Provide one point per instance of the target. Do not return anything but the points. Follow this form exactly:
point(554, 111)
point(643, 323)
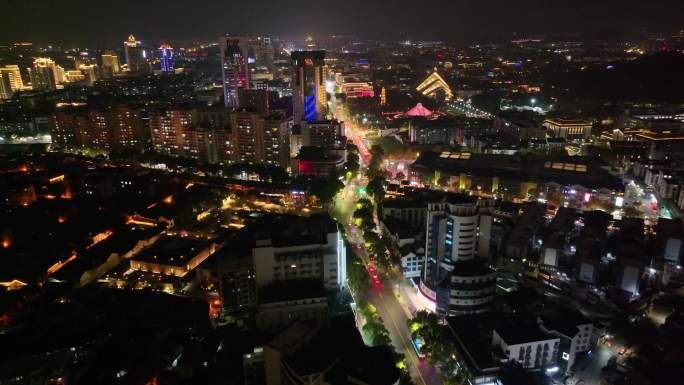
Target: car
point(622, 350)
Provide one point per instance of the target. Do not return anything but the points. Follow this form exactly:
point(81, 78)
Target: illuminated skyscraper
point(43, 76)
point(234, 68)
point(5, 86)
point(135, 56)
point(166, 58)
point(110, 63)
point(308, 84)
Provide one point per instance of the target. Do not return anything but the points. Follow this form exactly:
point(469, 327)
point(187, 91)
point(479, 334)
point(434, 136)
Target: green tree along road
point(353, 208)
point(376, 189)
point(439, 351)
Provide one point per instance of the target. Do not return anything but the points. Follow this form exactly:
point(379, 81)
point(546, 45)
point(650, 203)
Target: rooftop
point(471, 269)
point(172, 251)
point(563, 321)
point(584, 171)
point(514, 334)
point(567, 122)
point(291, 290)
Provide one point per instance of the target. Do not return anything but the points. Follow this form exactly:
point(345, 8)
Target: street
point(381, 295)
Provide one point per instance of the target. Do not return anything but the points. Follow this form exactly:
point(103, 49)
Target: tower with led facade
point(166, 59)
point(135, 55)
point(234, 70)
point(308, 84)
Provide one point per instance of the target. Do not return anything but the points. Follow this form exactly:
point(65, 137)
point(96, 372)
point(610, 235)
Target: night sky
point(106, 21)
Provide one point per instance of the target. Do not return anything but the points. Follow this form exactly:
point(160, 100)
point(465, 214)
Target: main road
point(381, 294)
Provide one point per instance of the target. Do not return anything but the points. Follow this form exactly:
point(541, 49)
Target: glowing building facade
point(234, 68)
point(455, 281)
point(166, 59)
point(45, 74)
point(110, 63)
point(135, 55)
point(309, 75)
point(14, 75)
point(434, 85)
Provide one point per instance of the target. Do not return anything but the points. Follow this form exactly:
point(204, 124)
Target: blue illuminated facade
point(310, 106)
point(166, 58)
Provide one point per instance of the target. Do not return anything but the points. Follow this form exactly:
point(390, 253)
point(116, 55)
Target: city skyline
point(360, 192)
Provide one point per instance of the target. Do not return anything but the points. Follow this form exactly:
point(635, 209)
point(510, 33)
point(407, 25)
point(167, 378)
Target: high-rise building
point(127, 128)
point(166, 59)
point(261, 50)
point(166, 129)
point(308, 84)
point(256, 100)
point(455, 281)
point(62, 125)
point(110, 63)
point(275, 146)
point(198, 133)
point(43, 74)
point(324, 133)
point(118, 127)
point(14, 75)
point(135, 55)
point(91, 73)
point(73, 76)
point(200, 143)
point(6, 91)
point(246, 131)
point(234, 68)
point(99, 131)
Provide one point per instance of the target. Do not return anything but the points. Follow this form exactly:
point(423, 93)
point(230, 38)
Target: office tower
point(324, 133)
point(14, 75)
point(261, 50)
point(246, 135)
point(5, 86)
point(308, 84)
point(91, 73)
point(166, 128)
point(60, 74)
point(110, 63)
point(43, 74)
point(234, 68)
point(453, 278)
point(255, 100)
point(166, 60)
point(275, 146)
point(135, 55)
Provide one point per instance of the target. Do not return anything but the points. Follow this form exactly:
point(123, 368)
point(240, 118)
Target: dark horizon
point(84, 22)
